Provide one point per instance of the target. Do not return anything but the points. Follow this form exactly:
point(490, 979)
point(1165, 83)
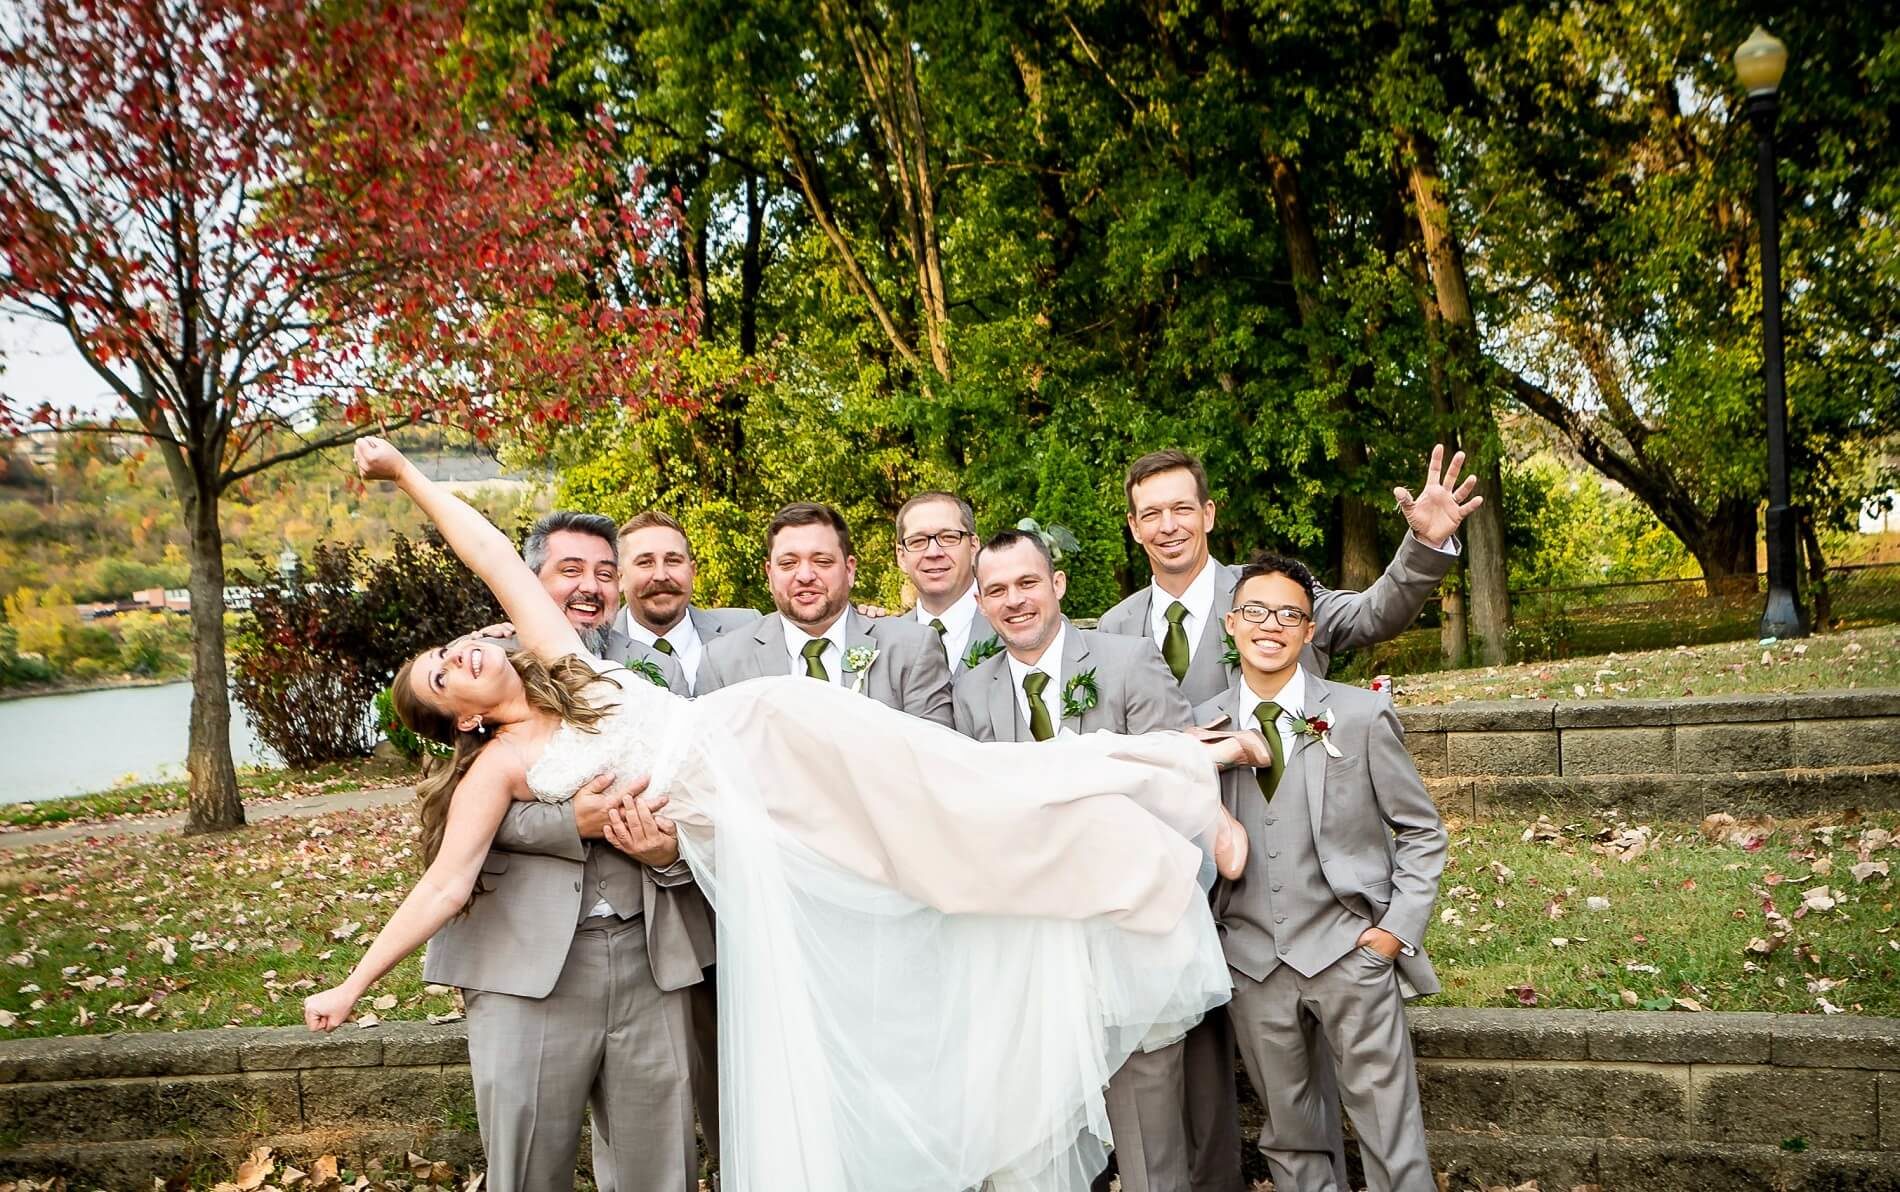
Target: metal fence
point(1550, 623)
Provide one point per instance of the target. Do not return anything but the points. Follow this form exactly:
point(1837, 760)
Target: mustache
point(660, 587)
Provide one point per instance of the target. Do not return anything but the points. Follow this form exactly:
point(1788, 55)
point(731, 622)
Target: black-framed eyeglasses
point(1257, 613)
point(944, 538)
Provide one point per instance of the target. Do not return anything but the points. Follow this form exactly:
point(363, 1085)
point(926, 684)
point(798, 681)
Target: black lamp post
point(1759, 62)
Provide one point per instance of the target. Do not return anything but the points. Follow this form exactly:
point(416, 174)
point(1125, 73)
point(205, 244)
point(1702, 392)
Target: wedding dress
point(932, 953)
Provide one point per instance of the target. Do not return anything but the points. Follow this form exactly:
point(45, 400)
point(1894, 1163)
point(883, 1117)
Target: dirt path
point(304, 808)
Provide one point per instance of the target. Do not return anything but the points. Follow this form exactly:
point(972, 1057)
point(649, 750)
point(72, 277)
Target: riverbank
point(82, 686)
point(257, 785)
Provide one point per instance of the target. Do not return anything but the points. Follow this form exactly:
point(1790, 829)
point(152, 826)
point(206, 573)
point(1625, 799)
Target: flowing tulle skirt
point(933, 953)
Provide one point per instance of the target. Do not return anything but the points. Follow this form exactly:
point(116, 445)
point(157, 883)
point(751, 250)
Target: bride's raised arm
point(539, 623)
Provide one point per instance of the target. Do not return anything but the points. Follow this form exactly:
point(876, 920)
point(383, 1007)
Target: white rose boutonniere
point(857, 661)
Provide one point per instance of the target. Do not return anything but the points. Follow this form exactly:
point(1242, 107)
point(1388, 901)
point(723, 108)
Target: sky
point(40, 364)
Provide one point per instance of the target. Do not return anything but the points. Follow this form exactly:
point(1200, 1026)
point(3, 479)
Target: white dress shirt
point(957, 620)
point(1198, 600)
point(683, 637)
point(832, 659)
point(1049, 664)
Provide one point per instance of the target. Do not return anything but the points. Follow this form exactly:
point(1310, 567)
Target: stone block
point(1472, 1160)
point(1506, 754)
point(1464, 1095)
point(1599, 1100)
point(75, 1110)
point(1640, 1165)
point(1638, 1036)
point(1588, 751)
point(413, 1044)
point(368, 1096)
point(1615, 713)
point(242, 1104)
point(1719, 748)
point(1840, 1171)
point(1455, 798)
point(1844, 705)
point(1824, 1107)
point(1496, 716)
point(1730, 709)
point(1429, 753)
point(1453, 1033)
point(1846, 1041)
point(86, 1057)
point(1889, 1085)
point(279, 1048)
point(1870, 741)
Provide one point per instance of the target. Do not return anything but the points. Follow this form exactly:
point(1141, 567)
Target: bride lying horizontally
point(933, 953)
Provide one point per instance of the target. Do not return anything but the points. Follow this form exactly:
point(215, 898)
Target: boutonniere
point(989, 647)
point(1231, 655)
point(1079, 695)
point(858, 660)
point(1319, 728)
point(650, 670)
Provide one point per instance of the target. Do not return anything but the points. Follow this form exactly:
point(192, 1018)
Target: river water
point(54, 745)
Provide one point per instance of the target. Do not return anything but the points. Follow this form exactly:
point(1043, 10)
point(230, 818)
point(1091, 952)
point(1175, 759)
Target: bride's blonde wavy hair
point(558, 688)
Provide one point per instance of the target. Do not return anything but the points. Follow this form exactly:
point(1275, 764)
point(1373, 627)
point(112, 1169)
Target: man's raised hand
point(1440, 508)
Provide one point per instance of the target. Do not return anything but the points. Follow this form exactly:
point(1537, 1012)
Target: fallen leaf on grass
point(1526, 993)
point(252, 1173)
point(1820, 898)
point(1597, 902)
point(1690, 1004)
point(323, 1173)
point(344, 932)
point(1866, 870)
point(385, 1002)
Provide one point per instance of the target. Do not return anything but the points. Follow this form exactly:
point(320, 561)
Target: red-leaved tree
point(272, 226)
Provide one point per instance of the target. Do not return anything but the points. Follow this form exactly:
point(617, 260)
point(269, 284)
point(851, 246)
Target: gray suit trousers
point(606, 1039)
point(1354, 1006)
point(1148, 1117)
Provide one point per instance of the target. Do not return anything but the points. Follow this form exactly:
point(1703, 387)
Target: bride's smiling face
point(465, 679)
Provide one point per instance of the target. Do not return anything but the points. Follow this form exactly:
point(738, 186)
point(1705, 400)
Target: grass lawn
point(1848, 659)
point(166, 933)
point(258, 785)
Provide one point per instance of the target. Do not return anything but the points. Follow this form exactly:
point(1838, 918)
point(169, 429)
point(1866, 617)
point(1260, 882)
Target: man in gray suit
point(1055, 678)
point(815, 632)
point(1324, 929)
point(1171, 514)
point(657, 572)
point(574, 960)
point(936, 551)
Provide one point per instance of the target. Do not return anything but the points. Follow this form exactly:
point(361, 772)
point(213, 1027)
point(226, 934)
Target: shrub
point(406, 742)
point(16, 667)
point(419, 596)
point(154, 644)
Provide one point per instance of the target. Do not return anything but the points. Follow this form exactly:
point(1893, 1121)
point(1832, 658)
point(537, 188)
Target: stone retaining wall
point(1630, 1101)
point(1780, 754)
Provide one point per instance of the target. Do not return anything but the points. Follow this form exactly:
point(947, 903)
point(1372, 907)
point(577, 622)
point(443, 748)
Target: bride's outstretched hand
point(377, 459)
point(328, 1010)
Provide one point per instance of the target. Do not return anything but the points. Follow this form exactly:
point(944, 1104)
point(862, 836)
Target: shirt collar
point(1199, 597)
point(1292, 697)
point(796, 637)
point(956, 619)
point(1049, 664)
point(679, 637)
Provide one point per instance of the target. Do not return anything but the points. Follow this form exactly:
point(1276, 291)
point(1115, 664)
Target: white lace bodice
point(640, 720)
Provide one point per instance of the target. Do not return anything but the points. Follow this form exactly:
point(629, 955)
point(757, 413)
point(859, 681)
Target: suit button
point(1276, 887)
point(1281, 949)
point(1270, 821)
point(1279, 918)
point(1274, 852)
point(577, 885)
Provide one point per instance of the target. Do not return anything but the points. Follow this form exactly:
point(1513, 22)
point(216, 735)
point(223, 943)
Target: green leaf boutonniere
point(989, 647)
point(1231, 655)
point(650, 670)
point(858, 660)
point(1079, 695)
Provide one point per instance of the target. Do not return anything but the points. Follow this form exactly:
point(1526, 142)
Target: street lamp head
point(1759, 62)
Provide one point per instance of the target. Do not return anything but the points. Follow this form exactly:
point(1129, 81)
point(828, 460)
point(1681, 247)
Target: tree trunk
point(213, 803)
point(751, 268)
point(1485, 565)
point(1454, 637)
point(1724, 547)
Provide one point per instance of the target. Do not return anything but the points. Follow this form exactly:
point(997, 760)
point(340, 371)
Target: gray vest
point(612, 875)
point(1282, 911)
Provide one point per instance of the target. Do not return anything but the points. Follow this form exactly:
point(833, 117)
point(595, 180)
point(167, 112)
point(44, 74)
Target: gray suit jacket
point(708, 623)
point(1134, 691)
point(514, 939)
point(1341, 620)
point(980, 631)
point(1378, 834)
point(910, 673)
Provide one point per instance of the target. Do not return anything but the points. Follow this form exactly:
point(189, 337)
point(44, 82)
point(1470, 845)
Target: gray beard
point(594, 641)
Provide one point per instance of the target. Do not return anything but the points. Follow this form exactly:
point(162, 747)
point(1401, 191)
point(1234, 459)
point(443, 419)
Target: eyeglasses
point(943, 538)
point(1286, 614)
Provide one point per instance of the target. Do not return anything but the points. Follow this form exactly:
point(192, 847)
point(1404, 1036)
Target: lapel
point(1006, 720)
point(705, 625)
point(1312, 754)
point(1144, 608)
point(857, 632)
point(1075, 652)
point(1207, 672)
point(768, 648)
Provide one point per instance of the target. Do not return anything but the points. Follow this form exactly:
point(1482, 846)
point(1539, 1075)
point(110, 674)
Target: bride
point(933, 953)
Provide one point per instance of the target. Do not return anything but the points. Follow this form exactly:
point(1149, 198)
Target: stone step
point(1786, 792)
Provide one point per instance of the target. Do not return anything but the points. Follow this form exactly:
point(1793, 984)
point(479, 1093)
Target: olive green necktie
point(1267, 713)
point(943, 635)
point(663, 646)
point(1039, 727)
point(813, 668)
point(1174, 647)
